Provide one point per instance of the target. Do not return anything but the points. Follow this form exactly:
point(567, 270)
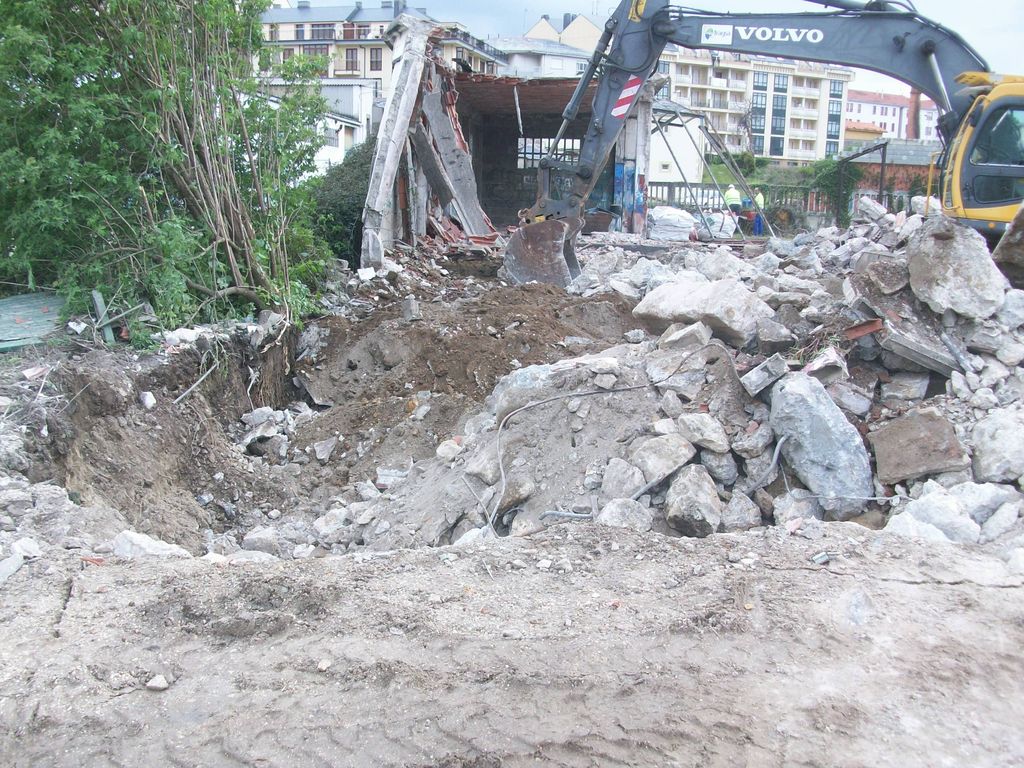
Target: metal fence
point(788, 208)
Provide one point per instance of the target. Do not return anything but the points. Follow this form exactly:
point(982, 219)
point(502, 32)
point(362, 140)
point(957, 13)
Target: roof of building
point(326, 14)
point(886, 99)
point(560, 23)
point(905, 152)
point(537, 45)
point(857, 125)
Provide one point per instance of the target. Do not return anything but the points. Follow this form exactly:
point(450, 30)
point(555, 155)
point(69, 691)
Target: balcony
point(801, 154)
point(719, 82)
point(803, 133)
point(737, 85)
point(803, 91)
point(738, 106)
point(458, 36)
point(684, 79)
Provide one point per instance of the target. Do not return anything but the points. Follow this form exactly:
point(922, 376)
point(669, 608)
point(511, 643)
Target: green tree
point(340, 196)
point(837, 181)
point(139, 153)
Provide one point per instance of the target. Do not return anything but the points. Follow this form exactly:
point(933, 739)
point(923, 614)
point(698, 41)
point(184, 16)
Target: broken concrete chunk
point(740, 514)
point(981, 500)
point(1011, 314)
point(950, 268)
point(773, 337)
point(1000, 523)
point(626, 513)
point(822, 447)
point(685, 338)
point(10, 566)
point(796, 504)
point(725, 306)
point(944, 511)
point(621, 480)
point(921, 443)
point(764, 375)
point(870, 209)
point(721, 466)
point(998, 441)
point(660, 455)
point(483, 465)
point(906, 386)
point(263, 539)
point(131, 545)
point(912, 528)
point(692, 506)
point(703, 430)
point(849, 398)
point(323, 449)
point(671, 405)
point(828, 366)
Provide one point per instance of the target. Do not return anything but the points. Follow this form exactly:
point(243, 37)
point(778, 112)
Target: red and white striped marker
point(629, 93)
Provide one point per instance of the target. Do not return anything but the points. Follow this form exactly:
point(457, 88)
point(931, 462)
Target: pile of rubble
point(868, 374)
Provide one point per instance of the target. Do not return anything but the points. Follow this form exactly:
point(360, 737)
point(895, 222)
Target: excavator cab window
point(996, 172)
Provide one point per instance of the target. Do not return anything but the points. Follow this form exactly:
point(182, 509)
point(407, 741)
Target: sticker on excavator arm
point(716, 34)
point(637, 11)
point(625, 101)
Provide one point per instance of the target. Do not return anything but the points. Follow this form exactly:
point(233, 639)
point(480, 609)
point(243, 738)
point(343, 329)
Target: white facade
point(528, 58)
point(891, 112)
point(688, 148)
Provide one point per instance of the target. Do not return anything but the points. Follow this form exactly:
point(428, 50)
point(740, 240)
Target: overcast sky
point(994, 27)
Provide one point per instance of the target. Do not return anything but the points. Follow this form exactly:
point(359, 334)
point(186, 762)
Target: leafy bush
point(339, 197)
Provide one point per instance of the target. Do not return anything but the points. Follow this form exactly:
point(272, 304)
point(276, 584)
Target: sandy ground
point(629, 649)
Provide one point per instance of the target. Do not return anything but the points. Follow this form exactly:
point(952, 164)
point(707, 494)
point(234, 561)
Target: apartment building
point(351, 37)
point(530, 57)
point(891, 113)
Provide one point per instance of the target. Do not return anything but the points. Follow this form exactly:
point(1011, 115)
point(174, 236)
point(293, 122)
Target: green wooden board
point(28, 319)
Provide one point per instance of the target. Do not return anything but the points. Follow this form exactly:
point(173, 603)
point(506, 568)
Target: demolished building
point(456, 154)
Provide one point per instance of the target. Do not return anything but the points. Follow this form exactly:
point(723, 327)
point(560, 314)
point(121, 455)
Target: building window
point(760, 81)
point(362, 31)
point(778, 125)
point(489, 67)
point(759, 145)
point(663, 67)
point(782, 83)
point(330, 137)
point(321, 32)
point(885, 110)
point(317, 50)
point(287, 53)
point(275, 32)
point(300, 31)
point(832, 131)
point(775, 150)
point(757, 123)
point(758, 102)
point(874, 109)
point(376, 59)
point(532, 150)
point(835, 107)
point(351, 59)
point(835, 89)
point(831, 148)
point(581, 67)
point(779, 104)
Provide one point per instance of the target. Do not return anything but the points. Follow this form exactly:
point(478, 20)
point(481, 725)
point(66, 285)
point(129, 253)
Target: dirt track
point(651, 651)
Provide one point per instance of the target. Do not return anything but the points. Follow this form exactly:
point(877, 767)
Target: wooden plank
point(28, 319)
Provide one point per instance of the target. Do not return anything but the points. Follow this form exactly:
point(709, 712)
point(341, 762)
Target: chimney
point(567, 19)
point(302, 5)
point(546, 17)
point(914, 115)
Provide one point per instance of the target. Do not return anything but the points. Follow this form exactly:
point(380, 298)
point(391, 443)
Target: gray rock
point(763, 376)
point(755, 439)
point(721, 466)
point(849, 398)
point(621, 480)
point(912, 528)
point(147, 400)
point(323, 449)
point(925, 206)
point(703, 430)
point(946, 513)
point(906, 386)
point(10, 566)
point(1011, 314)
point(921, 443)
point(626, 513)
point(262, 539)
point(1000, 523)
point(246, 556)
point(259, 416)
point(870, 209)
point(671, 405)
point(981, 500)
point(759, 472)
point(950, 268)
point(692, 506)
point(27, 547)
point(679, 337)
point(825, 451)
point(483, 464)
point(797, 503)
point(725, 306)
point(773, 337)
point(999, 447)
point(131, 545)
point(157, 683)
point(660, 455)
point(740, 514)
point(335, 527)
point(636, 336)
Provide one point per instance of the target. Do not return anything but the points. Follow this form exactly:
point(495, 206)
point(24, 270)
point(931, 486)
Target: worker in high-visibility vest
point(733, 200)
point(758, 212)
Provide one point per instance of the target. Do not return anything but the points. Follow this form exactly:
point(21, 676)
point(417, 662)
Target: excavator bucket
point(1009, 251)
point(544, 252)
